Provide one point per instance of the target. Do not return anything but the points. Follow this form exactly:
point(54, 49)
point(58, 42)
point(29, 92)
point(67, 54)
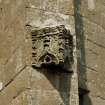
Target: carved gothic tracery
point(52, 45)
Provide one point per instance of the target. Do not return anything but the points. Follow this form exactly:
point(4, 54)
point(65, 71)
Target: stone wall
point(14, 76)
point(20, 84)
point(90, 16)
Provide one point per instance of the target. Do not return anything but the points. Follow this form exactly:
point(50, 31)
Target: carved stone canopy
point(52, 46)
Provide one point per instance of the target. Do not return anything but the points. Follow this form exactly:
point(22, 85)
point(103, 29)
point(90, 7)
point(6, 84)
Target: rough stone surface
point(20, 84)
point(90, 26)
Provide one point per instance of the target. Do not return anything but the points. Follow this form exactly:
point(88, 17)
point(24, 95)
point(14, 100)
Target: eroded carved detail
point(52, 46)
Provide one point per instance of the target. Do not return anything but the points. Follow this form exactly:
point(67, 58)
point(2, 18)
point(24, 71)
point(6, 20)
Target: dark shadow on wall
point(81, 60)
point(63, 86)
point(60, 81)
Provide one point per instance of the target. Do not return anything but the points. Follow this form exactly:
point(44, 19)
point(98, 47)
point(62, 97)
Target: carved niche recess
point(52, 47)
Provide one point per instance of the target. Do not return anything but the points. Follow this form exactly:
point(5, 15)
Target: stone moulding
point(52, 47)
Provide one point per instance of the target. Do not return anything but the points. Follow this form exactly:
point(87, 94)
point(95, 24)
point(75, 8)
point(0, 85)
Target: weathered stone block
point(52, 46)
